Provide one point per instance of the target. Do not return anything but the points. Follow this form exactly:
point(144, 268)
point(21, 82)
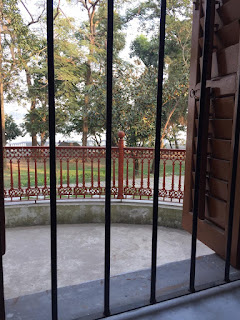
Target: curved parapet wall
point(134, 212)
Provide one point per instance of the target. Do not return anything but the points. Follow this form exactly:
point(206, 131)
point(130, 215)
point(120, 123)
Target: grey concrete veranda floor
point(81, 254)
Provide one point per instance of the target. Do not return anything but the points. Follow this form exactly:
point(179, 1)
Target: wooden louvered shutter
point(220, 124)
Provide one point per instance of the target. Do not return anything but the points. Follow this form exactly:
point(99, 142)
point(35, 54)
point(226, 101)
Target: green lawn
point(72, 172)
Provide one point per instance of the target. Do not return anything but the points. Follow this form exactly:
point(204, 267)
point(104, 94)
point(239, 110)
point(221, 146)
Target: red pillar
point(121, 135)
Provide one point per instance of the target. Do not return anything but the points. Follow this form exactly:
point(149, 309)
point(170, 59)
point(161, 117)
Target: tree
point(92, 36)
point(177, 62)
point(68, 71)
point(12, 130)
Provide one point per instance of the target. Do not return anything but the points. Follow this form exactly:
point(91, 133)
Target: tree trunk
point(43, 138)
point(33, 133)
point(176, 141)
point(32, 108)
point(85, 131)
point(88, 82)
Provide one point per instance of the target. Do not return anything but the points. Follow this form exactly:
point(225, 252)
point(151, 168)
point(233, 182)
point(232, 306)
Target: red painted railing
point(81, 173)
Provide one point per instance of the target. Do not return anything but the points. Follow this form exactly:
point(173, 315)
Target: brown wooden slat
point(224, 86)
point(217, 44)
point(216, 211)
point(219, 168)
point(219, 149)
point(222, 108)
point(225, 61)
point(228, 35)
point(229, 11)
point(220, 128)
point(217, 188)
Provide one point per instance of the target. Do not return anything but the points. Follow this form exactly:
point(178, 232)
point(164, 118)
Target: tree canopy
point(80, 69)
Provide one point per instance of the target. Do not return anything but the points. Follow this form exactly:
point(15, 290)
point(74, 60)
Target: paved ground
point(81, 254)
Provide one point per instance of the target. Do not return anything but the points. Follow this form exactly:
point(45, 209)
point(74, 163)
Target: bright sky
point(72, 10)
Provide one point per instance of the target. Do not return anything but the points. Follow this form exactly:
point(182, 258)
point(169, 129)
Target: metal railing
point(81, 173)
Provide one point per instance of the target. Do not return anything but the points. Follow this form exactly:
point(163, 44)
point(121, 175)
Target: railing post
point(121, 135)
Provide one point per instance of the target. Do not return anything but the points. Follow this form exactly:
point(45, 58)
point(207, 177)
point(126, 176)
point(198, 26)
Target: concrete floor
point(81, 254)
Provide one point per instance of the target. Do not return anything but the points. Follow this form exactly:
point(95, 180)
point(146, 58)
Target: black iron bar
point(108, 157)
point(157, 149)
point(2, 223)
point(53, 208)
point(233, 185)
point(203, 95)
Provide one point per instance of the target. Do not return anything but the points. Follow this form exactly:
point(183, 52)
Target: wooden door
point(220, 125)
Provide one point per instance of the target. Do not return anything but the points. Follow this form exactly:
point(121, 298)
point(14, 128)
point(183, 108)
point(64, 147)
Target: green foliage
point(176, 71)
point(80, 70)
point(12, 130)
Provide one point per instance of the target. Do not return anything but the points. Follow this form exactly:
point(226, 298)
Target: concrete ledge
point(132, 290)
point(71, 212)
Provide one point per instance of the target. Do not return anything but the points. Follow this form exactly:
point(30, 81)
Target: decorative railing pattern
point(81, 173)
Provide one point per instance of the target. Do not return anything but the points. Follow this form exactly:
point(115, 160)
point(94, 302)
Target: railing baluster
point(98, 173)
point(133, 182)
point(11, 176)
point(157, 150)
point(180, 179)
point(173, 176)
point(61, 176)
point(19, 176)
point(36, 178)
point(92, 182)
point(52, 133)
point(68, 182)
point(45, 175)
point(148, 178)
point(28, 172)
point(164, 178)
point(114, 175)
point(108, 158)
point(142, 176)
point(127, 169)
point(83, 179)
point(76, 175)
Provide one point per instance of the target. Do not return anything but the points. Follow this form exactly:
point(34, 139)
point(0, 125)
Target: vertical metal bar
point(53, 207)
point(148, 179)
point(180, 178)
point(157, 149)
point(19, 176)
point(127, 169)
point(173, 176)
point(233, 186)
point(164, 178)
point(108, 157)
point(203, 95)
point(45, 176)
point(2, 222)
point(142, 176)
point(114, 174)
point(133, 181)
point(92, 183)
point(83, 177)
